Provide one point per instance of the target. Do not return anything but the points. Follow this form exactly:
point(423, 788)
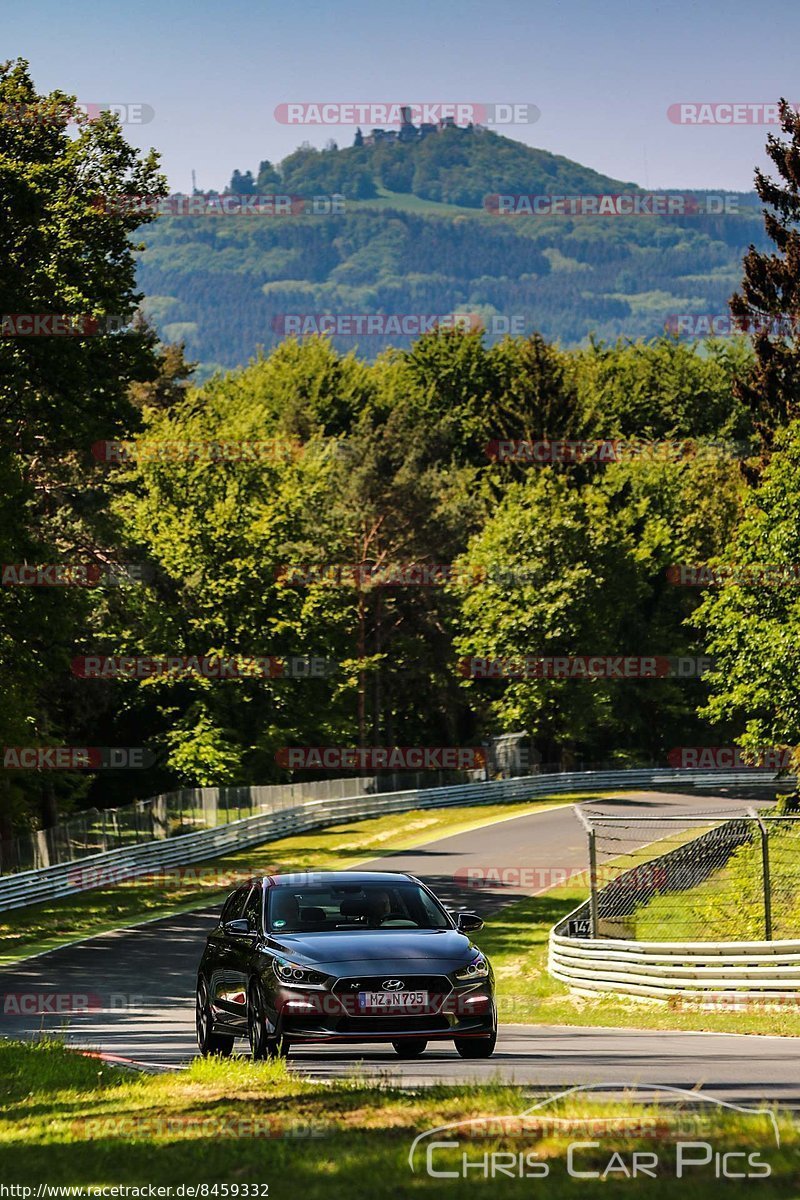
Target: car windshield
point(319, 908)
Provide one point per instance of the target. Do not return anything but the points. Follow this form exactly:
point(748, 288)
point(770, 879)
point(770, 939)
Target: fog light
point(473, 1006)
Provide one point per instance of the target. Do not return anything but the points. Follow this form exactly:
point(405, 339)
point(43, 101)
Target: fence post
point(592, 838)
point(765, 872)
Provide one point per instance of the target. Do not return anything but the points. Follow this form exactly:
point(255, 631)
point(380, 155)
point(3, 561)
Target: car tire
point(262, 1044)
point(476, 1046)
point(208, 1041)
point(410, 1047)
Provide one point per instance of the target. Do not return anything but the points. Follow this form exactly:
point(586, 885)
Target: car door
point(241, 947)
point(227, 985)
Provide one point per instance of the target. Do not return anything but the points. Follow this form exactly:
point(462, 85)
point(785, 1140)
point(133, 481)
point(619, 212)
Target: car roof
point(332, 878)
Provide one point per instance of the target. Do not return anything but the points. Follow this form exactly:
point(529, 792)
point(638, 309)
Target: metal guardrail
point(710, 972)
point(173, 814)
point(64, 879)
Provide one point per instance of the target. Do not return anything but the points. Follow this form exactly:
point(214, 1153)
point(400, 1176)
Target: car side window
point(252, 910)
point(234, 905)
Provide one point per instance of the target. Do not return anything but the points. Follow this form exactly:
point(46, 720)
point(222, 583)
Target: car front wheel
point(262, 1043)
point(208, 1041)
point(478, 1047)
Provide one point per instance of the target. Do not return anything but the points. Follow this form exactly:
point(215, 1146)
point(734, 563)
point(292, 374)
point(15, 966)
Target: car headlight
point(293, 975)
point(477, 969)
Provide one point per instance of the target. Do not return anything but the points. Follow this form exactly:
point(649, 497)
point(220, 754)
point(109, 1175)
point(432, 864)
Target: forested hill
point(452, 166)
point(412, 236)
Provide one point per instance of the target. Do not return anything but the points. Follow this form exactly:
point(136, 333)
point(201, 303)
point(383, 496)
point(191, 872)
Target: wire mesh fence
point(94, 831)
point(174, 813)
point(704, 877)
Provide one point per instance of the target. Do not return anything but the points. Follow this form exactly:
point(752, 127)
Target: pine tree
point(768, 305)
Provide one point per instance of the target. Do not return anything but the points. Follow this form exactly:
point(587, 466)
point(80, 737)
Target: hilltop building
point(409, 132)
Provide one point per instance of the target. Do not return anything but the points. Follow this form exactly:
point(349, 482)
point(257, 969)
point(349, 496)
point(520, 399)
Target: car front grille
point(438, 988)
point(439, 984)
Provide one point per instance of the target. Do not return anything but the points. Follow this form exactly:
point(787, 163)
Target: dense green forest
point(412, 235)
point(243, 517)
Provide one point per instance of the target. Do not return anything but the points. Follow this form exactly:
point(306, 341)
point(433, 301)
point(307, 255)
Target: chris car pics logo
point(669, 1143)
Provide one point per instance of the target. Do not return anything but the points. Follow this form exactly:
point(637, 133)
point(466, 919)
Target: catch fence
point(699, 876)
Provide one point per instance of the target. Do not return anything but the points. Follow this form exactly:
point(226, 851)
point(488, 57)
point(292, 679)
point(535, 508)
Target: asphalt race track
point(136, 987)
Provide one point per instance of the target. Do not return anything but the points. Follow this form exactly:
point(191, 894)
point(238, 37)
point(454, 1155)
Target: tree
point(752, 621)
point(268, 179)
point(70, 204)
point(577, 567)
point(170, 383)
point(242, 185)
point(220, 533)
point(768, 304)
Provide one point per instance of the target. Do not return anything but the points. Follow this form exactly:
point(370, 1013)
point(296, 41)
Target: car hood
point(443, 949)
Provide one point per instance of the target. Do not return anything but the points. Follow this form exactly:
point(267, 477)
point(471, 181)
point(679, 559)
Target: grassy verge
point(729, 906)
point(72, 1120)
point(516, 940)
point(45, 926)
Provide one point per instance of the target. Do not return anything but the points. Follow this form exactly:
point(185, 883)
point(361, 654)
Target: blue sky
point(602, 72)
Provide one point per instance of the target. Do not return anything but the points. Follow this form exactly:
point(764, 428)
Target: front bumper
point(333, 1015)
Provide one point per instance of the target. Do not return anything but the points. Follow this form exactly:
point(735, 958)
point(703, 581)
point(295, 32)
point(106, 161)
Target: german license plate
point(391, 1000)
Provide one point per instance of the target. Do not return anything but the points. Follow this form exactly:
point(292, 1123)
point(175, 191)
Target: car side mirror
point(240, 927)
point(468, 921)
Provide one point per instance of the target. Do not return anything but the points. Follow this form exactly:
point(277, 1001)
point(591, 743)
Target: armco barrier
point(710, 972)
point(51, 883)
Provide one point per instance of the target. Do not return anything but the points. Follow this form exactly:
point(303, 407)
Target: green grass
point(45, 926)
point(729, 906)
point(73, 1120)
point(516, 940)
point(407, 202)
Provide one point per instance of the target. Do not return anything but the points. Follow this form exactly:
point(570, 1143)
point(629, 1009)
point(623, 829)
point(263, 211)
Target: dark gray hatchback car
point(343, 956)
